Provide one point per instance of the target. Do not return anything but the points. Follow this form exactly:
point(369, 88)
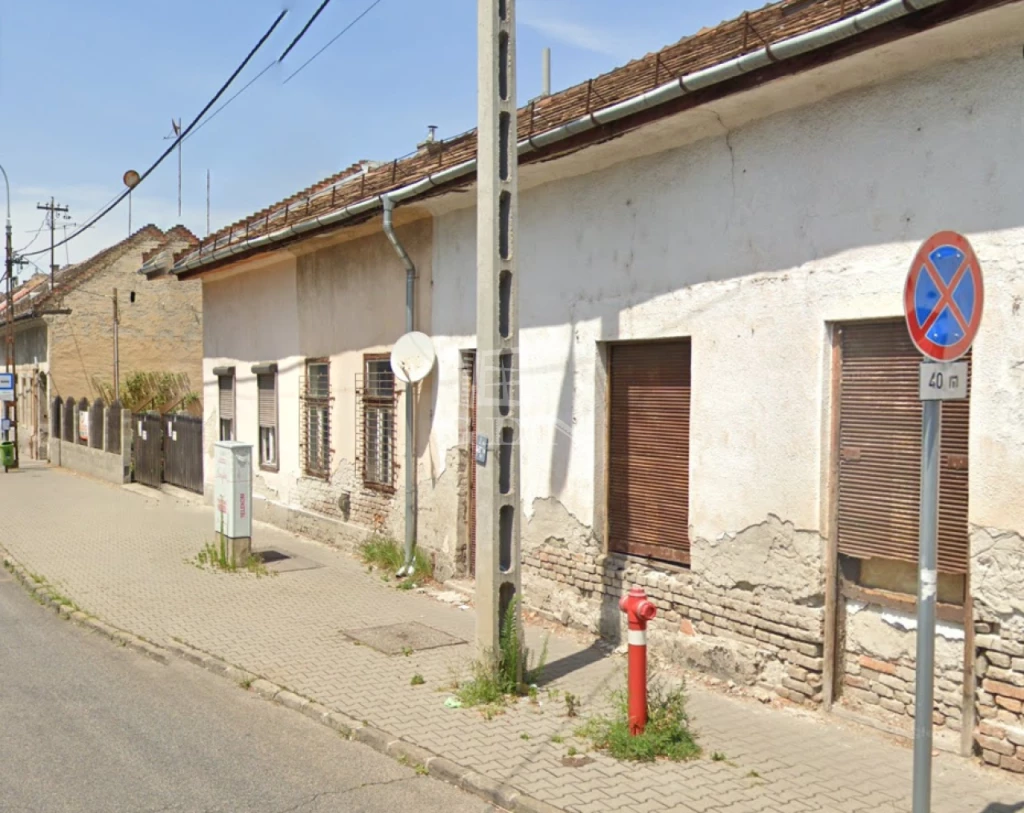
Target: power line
point(302, 33)
point(336, 37)
point(256, 78)
point(34, 236)
point(184, 133)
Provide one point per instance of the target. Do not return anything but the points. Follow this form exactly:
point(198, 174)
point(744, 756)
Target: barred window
point(378, 404)
point(317, 418)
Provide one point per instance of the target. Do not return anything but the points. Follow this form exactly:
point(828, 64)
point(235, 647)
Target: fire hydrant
point(638, 612)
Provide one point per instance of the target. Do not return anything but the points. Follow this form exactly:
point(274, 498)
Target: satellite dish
point(413, 358)
point(131, 179)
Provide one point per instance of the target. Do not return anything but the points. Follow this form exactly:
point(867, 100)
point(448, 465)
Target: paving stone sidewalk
point(129, 559)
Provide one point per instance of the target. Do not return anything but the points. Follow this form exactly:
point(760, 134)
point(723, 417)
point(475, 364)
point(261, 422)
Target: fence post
point(83, 406)
point(56, 430)
point(96, 423)
point(69, 420)
point(127, 434)
point(112, 439)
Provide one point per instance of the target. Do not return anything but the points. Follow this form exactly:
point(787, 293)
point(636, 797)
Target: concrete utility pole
point(52, 209)
point(497, 327)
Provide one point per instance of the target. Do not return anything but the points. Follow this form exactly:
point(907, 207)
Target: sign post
point(942, 302)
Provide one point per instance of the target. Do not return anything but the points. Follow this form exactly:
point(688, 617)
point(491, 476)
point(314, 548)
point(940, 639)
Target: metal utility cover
point(395, 639)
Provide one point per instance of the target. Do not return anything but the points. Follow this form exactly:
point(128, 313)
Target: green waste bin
point(7, 455)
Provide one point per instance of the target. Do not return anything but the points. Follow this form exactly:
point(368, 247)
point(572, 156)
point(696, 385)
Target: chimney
point(545, 73)
point(431, 145)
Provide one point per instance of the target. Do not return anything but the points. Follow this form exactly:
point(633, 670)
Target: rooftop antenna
point(176, 132)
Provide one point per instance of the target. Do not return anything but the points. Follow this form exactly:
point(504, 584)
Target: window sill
point(379, 487)
point(270, 467)
point(901, 602)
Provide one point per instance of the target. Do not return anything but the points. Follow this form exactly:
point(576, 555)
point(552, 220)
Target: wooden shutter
point(266, 386)
point(880, 452)
point(649, 450)
point(226, 385)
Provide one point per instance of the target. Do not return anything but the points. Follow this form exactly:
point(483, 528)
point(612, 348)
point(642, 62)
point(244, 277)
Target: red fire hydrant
point(638, 611)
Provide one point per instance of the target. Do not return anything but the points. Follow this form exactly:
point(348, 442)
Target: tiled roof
point(709, 47)
point(67, 279)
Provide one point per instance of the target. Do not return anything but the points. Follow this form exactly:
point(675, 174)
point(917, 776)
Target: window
point(378, 403)
point(266, 392)
point(226, 401)
point(649, 450)
point(317, 418)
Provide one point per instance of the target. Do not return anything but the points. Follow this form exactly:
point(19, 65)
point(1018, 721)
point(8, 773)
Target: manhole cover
point(396, 639)
point(268, 556)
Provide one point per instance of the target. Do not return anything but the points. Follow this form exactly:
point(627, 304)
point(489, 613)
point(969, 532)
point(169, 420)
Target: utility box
point(232, 499)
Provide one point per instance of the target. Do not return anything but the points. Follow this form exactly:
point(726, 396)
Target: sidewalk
point(127, 559)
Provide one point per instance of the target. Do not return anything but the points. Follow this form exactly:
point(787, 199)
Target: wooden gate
point(147, 449)
point(183, 451)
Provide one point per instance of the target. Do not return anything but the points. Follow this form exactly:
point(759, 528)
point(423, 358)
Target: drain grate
point(269, 556)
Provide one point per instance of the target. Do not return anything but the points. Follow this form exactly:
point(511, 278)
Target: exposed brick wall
point(869, 682)
point(787, 637)
point(999, 672)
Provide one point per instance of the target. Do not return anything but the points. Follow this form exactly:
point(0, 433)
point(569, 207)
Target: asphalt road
point(90, 727)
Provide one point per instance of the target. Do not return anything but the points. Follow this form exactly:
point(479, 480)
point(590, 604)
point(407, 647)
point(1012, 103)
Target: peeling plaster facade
point(749, 225)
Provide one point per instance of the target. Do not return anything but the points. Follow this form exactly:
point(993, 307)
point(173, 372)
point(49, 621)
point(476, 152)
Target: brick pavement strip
point(128, 559)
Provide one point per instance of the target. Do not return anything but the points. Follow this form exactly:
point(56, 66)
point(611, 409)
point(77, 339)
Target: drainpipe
point(410, 411)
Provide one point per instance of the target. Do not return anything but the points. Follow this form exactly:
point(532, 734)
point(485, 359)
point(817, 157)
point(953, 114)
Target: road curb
point(47, 595)
point(484, 787)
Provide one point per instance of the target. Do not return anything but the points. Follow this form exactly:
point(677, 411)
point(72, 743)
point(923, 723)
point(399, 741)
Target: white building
point(718, 395)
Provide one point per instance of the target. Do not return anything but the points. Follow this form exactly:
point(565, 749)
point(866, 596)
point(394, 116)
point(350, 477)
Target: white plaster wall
point(751, 243)
point(250, 319)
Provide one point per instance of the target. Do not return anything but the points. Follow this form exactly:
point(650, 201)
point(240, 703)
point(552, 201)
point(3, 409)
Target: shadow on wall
point(561, 440)
point(999, 807)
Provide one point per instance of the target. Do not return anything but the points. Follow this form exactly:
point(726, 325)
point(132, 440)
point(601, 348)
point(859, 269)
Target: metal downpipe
point(408, 568)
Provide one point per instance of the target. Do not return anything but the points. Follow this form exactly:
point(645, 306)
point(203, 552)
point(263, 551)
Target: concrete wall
point(111, 467)
point(160, 332)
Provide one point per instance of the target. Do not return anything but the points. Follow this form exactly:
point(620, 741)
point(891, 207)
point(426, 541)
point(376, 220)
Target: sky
point(89, 90)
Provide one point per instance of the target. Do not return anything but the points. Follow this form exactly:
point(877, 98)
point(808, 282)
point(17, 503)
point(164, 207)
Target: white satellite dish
point(413, 358)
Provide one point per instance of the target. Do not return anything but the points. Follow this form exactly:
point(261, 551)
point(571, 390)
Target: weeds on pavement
point(508, 675)
point(385, 553)
point(667, 734)
point(217, 558)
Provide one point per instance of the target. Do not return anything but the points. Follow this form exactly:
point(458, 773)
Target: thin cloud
point(579, 35)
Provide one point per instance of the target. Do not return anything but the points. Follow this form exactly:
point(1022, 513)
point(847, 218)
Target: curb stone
point(436, 766)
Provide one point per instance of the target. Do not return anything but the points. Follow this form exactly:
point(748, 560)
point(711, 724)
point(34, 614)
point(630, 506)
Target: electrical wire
point(238, 93)
point(178, 140)
point(302, 33)
point(34, 237)
point(334, 39)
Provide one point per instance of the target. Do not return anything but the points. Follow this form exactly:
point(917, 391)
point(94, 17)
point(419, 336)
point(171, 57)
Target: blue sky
point(89, 90)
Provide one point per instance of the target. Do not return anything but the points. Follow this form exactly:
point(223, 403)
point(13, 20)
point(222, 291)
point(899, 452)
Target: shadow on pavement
point(571, 663)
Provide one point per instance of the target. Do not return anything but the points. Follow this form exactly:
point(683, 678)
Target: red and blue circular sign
point(944, 297)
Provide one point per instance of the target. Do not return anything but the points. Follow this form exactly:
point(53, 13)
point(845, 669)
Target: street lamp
point(12, 410)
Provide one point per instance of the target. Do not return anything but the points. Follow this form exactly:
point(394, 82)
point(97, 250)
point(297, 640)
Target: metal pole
point(545, 73)
point(179, 170)
point(207, 203)
point(12, 367)
point(497, 331)
point(117, 361)
point(924, 700)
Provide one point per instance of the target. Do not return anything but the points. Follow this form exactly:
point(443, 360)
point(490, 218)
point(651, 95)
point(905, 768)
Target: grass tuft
point(508, 675)
point(667, 734)
point(216, 557)
point(388, 555)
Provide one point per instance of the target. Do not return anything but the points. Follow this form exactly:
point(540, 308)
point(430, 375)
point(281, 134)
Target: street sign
point(944, 297)
point(943, 382)
point(6, 386)
point(942, 302)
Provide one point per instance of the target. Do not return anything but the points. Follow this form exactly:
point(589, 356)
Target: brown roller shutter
point(266, 386)
point(880, 451)
point(649, 450)
point(226, 385)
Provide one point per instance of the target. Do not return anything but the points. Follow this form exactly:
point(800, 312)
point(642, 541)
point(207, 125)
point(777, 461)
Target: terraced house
point(64, 342)
point(718, 395)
